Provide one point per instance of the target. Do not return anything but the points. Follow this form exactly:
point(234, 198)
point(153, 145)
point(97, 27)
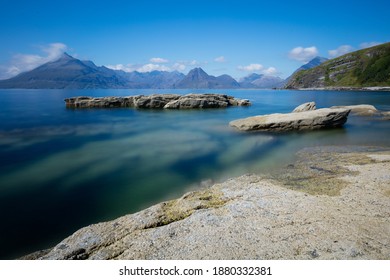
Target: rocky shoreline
point(331, 203)
point(158, 101)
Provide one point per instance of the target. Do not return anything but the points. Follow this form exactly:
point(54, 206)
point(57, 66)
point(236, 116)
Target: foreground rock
point(252, 217)
point(158, 101)
point(308, 120)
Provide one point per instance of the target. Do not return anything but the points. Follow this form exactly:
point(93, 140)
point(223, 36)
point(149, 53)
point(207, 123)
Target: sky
point(222, 37)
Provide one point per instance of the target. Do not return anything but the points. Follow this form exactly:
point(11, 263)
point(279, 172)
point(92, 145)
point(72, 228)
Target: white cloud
point(152, 67)
point(194, 62)
point(25, 62)
point(340, 51)
point(126, 68)
point(303, 54)
point(179, 67)
point(220, 59)
point(139, 67)
point(365, 45)
point(270, 71)
point(251, 67)
point(158, 60)
point(149, 67)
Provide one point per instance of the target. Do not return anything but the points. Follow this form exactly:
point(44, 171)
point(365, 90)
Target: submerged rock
point(309, 106)
point(158, 101)
point(309, 120)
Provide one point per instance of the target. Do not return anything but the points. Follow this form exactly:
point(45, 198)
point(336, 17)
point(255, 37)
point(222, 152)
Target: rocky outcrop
point(309, 120)
point(256, 217)
point(158, 101)
point(309, 106)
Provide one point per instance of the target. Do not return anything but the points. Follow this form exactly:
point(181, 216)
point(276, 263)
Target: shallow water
point(61, 169)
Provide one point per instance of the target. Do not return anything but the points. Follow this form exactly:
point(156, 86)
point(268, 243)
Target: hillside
point(364, 68)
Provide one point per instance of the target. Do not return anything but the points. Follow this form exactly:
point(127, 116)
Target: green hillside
point(364, 68)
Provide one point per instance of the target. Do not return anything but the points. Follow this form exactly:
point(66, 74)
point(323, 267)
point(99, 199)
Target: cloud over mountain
point(253, 67)
point(303, 54)
point(25, 62)
point(340, 51)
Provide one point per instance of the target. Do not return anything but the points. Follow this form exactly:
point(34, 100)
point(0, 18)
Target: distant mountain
point(154, 79)
point(197, 78)
point(67, 72)
point(311, 64)
point(268, 82)
point(246, 82)
point(363, 68)
point(260, 81)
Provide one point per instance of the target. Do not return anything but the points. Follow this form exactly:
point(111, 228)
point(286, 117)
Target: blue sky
point(232, 37)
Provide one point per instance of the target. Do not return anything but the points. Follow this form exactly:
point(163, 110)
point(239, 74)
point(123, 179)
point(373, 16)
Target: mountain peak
point(250, 78)
point(66, 56)
point(197, 70)
point(198, 78)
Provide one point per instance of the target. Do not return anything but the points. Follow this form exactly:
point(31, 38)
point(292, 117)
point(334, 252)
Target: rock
point(309, 120)
point(309, 106)
point(203, 101)
point(251, 217)
point(99, 102)
point(361, 110)
point(158, 101)
point(154, 101)
point(385, 116)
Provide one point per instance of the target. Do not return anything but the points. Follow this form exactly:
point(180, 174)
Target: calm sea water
point(61, 169)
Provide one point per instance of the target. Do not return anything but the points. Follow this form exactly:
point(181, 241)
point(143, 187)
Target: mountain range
point(70, 73)
point(368, 67)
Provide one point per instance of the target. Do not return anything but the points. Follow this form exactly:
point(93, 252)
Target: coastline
point(373, 89)
point(331, 203)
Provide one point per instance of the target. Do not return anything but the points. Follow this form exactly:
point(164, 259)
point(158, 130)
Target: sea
point(62, 169)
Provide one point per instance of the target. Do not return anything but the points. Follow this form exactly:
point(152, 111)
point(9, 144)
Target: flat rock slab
point(158, 101)
point(309, 120)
